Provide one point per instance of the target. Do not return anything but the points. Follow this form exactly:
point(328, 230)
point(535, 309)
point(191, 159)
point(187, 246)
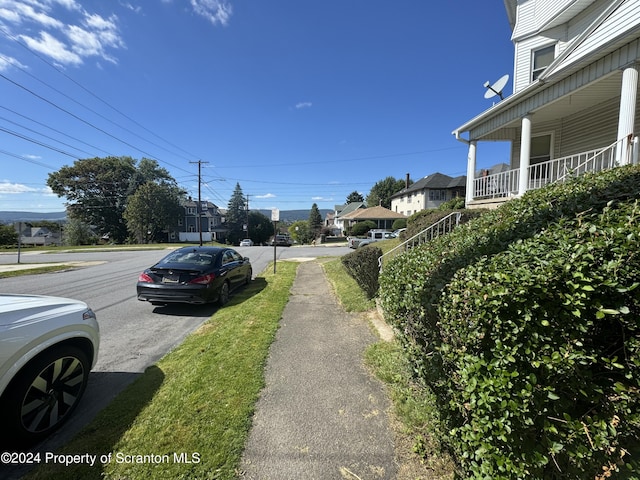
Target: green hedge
point(526, 324)
point(362, 265)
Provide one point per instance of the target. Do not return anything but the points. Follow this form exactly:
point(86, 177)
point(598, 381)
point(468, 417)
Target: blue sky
point(299, 102)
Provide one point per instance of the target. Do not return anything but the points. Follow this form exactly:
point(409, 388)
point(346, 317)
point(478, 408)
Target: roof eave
point(496, 109)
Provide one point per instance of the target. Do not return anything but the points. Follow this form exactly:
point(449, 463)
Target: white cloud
point(216, 11)
point(53, 48)
point(322, 199)
point(7, 62)
point(8, 188)
point(42, 29)
point(267, 195)
point(303, 105)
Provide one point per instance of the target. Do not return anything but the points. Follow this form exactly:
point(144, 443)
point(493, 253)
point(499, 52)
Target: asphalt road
point(134, 334)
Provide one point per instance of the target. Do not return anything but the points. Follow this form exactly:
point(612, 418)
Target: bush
point(525, 324)
point(456, 203)
point(362, 265)
point(399, 223)
point(361, 228)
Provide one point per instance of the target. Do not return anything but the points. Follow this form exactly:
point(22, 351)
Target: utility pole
point(199, 208)
point(247, 229)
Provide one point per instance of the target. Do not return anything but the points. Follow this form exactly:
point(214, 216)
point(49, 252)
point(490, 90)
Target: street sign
point(275, 215)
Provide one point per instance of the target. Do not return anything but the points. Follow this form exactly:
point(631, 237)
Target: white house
point(574, 102)
point(428, 192)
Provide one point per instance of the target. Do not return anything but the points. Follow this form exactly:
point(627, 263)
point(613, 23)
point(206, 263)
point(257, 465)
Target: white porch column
point(525, 155)
point(471, 170)
point(627, 113)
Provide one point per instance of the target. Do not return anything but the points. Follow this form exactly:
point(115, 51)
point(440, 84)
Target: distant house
point(428, 192)
point(39, 236)
point(330, 223)
point(211, 223)
point(574, 104)
point(382, 217)
point(341, 211)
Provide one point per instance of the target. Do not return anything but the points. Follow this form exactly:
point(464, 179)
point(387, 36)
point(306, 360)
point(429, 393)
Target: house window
point(437, 195)
point(540, 148)
point(191, 210)
point(542, 58)
point(540, 153)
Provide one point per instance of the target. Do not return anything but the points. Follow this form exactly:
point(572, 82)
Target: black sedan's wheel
point(223, 297)
point(247, 279)
point(45, 393)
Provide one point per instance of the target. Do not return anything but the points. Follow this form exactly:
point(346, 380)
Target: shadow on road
point(101, 437)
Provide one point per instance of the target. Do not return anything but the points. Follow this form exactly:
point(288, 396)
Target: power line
point(8, 35)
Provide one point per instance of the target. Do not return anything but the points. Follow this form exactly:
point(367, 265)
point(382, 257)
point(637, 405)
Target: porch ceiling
point(579, 100)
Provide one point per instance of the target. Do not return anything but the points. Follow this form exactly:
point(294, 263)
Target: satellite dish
point(496, 88)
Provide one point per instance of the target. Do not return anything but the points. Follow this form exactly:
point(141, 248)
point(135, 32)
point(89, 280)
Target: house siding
point(610, 63)
point(526, 24)
point(624, 19)
point(588, 130)
point(527, 37)
point(524, 54)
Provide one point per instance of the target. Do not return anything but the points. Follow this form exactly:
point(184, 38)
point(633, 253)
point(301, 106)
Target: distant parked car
point(194, 275)
point(282, 241)
point(247, 242)
point(48, 345)
point(396, 233)
point(373, 236)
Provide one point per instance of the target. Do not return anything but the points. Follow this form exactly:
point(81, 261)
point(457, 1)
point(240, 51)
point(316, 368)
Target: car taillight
point(204, 280)
point(145, 278)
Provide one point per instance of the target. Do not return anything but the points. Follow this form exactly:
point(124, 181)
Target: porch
point(491, 190)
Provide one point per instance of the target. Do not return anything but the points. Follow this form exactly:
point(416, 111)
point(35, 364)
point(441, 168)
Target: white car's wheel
point(45, 392)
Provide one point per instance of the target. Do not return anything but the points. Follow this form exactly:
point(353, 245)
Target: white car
point(247, 242)
point(48, 345)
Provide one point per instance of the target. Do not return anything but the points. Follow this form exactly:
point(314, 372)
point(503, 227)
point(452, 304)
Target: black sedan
point(194, 275)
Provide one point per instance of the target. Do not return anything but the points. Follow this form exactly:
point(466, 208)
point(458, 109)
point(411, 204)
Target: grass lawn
point(419, 454)
point(190, 413)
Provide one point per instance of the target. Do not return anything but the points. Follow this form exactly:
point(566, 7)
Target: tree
point(383, 190)
point(236, 215)
point(76, 232)
point(8, 235)
point(354, 197)
point(260, 227)
point(315, 221)
point(151, 211)
point(97, 190)
point(148, 170)
point(300, 232)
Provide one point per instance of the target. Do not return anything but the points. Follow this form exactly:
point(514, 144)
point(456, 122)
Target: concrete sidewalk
point(321, 415)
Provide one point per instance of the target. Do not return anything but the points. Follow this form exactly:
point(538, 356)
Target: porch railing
point(441, 227)
point(505, 184)
point(496, 185)
point(559, 169)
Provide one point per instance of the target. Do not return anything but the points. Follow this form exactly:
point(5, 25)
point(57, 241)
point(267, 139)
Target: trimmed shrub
point(525, 324)
point(362, 265)
point(361, 228)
